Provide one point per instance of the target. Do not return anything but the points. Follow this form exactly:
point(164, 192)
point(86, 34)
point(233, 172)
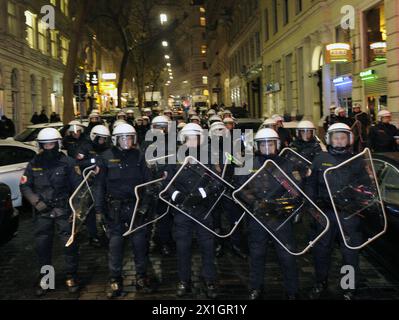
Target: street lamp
point(168, 64)
point(164, 18)
point(164, 43)
point(167, 57)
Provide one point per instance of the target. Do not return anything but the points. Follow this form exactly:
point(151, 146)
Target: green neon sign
point(368, 75)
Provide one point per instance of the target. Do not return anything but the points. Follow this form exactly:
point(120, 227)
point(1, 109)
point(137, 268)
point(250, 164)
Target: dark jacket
point(52, 182)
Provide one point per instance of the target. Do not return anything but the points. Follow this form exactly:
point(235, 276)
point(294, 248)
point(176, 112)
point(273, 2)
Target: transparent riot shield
point(198, 195)
point(81, 203)
point(301, 166)
point(356, 199)
point(146, 206)
point(273, 198)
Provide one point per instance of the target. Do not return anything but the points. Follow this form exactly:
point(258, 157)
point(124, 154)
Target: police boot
point(255, 294)
point(211, 290)
point(183, 288)
point(318, 290)
point(239, 253)
point(72, 283)
point(143, 284)
point(116, 285)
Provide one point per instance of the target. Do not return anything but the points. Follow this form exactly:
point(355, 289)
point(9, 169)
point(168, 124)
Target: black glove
point(42, 207)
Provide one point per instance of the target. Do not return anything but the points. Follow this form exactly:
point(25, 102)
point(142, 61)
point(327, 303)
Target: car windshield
point(27, 135)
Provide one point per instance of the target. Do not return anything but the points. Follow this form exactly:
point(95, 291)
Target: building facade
point(319, 53)
point(32, 59)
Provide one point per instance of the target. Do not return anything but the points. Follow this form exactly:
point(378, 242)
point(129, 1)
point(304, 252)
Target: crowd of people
point(117, 152)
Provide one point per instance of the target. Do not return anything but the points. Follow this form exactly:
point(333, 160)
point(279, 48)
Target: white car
point(14, 158)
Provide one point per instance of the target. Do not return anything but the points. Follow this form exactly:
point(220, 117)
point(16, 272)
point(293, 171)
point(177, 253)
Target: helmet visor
point(267, 147)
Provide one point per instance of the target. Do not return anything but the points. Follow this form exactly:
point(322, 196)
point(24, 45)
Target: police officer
point(74, 138)
point(195, 119)
point(87, 156)
point(48, 182)
point(148, 114)
point(193, 138)
point(267, 145)
point(130, 117)
point(341, 117)
point(339, 139)
point(121, 168)
point(361, 121)
point(161, 129)
point(382, 135)
point(330, 119)
point(224, 133)
point(283, 133)
point(306, 143)
point(94, 120)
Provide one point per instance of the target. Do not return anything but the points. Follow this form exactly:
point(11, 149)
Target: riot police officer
point(86, 156)
point(120, 169)
point(267, 145)
point(339, 139)
point(306, 143)
point(283, 133)
point(382, 135)
point(161, 126)
point(74, 138)
point(130, 117)
point(48, 182)
point(193, 138)
point(94, 120)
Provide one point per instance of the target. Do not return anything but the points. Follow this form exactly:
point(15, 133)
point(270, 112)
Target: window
point(288, 83)
point(33, 92)
point(252, 49)
point(64, 49)
point(257, 44)
point(202, 21)
point(266, 26)
point(204, 66)
point(54, 43)
point(275, 16)
point(42, 37)
point(65, 7)
point(298, 8)
point(203, 49)
point(30, 29)
point(277, 71)
point(202, 10)
point(376, 34)
point(286, 13)
point(12, 18)
point(204, 80)
point(14, 155)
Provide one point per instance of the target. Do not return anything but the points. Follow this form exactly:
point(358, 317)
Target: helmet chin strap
point(339, 150)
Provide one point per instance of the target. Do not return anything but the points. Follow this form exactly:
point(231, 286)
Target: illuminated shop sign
point(338, 52)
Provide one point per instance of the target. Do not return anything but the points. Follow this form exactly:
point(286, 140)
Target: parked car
point(9, 217)
point(385, 249)
point(14, 157)
point(31, 132)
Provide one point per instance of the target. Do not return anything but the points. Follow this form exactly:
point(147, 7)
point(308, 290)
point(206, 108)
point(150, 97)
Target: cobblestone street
point(18, 272)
